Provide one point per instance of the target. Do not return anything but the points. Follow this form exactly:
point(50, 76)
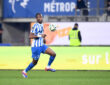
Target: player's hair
point(37, 14)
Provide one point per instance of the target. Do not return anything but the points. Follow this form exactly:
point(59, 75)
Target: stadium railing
point(94, 15)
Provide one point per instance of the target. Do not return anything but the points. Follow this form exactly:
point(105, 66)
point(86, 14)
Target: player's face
point(39, 18)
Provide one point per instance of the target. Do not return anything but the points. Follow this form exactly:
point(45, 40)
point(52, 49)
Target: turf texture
point(55, 78)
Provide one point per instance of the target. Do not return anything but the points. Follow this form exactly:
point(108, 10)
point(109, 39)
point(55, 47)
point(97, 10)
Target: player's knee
point(54, 54)
point(34, 62)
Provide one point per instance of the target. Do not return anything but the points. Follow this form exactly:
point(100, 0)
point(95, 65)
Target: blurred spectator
point(82, 6)
point(1, 33)
point(108, 8)
point(75, 36)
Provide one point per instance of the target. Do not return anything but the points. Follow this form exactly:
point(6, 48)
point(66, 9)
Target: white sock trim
point(48, 66)
point(24, 71)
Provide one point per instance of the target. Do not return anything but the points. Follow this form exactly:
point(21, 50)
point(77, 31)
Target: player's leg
point(52, 54)
point(30, 66)
point(35, 56)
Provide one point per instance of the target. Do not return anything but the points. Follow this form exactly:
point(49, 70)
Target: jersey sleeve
point(34, 29)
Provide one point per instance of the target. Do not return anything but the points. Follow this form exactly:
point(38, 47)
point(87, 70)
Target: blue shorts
point(36, 51)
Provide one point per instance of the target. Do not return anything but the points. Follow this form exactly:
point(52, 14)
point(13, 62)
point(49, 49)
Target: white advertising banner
point(93, 33)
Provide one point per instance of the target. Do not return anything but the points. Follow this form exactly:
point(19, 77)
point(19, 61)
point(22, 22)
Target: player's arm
point(44, 40)
point(32, 35)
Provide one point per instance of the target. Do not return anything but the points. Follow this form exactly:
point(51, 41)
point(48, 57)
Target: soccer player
point(38, 46)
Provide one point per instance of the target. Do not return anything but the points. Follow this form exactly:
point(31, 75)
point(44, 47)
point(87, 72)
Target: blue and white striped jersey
point(37, 29)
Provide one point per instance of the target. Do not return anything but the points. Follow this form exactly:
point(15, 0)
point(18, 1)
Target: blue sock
point(51, 60)
point(31, 65)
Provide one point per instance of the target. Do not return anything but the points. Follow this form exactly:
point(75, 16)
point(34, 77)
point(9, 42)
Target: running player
point(38, 46)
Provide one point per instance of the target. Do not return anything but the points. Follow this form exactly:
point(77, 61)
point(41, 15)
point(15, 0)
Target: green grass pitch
point(55, 78)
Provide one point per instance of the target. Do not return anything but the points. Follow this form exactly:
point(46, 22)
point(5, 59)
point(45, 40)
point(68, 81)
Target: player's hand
point(44, 35)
